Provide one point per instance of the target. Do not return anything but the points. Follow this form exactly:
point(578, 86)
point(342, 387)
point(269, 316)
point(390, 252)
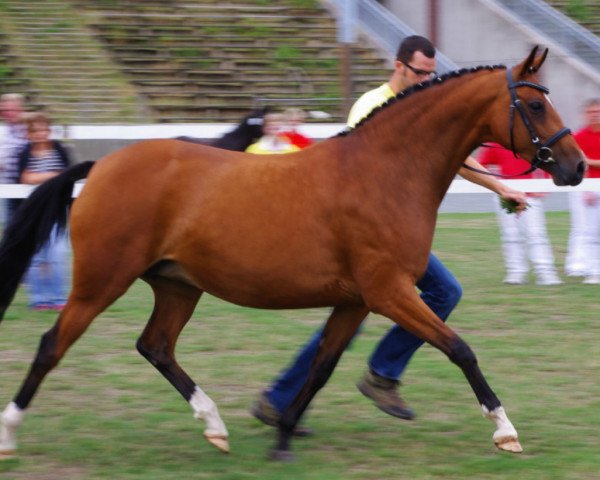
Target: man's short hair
point(412, 44)
point(591, 102)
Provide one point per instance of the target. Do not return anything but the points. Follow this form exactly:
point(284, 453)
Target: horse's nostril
point(581, 168)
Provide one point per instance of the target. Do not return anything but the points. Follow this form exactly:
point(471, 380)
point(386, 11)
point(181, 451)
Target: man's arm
point(592, 162)
point(492, 183)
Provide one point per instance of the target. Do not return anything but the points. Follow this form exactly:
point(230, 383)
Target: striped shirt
point(49, 161)
point(55, 159)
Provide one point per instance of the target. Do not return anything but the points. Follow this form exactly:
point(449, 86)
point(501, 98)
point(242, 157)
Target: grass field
point(106, 413)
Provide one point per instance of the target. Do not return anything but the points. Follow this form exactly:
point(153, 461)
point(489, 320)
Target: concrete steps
point(63, 69)
point(199, 53)
point(175, 61)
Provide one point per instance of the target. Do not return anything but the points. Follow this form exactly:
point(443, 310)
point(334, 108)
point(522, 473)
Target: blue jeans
point(46, 278)
point(439, 290)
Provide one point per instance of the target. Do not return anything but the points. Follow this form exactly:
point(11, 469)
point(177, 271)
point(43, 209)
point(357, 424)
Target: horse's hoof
point(281, 456)
point(219, 441)
point(508, 444)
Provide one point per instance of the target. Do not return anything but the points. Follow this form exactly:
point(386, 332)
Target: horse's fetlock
point(12, 416)
point(287, 423)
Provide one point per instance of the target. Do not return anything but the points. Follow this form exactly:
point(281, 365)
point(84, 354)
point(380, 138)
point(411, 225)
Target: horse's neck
point(424, 138)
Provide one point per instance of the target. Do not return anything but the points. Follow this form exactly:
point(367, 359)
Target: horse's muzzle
point(566, 176)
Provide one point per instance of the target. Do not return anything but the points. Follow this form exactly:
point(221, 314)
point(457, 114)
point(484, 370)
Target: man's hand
point(515, 198)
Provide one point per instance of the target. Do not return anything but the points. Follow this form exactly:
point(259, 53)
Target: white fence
point(207, 131)
point(458, 186)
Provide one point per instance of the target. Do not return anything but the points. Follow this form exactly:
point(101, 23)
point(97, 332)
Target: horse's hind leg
point(174, 304)
point(339, 330)
point(77, 315)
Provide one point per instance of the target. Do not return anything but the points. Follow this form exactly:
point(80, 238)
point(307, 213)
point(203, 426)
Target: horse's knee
point(461, 354)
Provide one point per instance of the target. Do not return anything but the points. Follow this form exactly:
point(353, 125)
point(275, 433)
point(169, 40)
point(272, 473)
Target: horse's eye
point(536, 106)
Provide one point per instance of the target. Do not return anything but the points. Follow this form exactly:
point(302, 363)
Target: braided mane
point(419, 87)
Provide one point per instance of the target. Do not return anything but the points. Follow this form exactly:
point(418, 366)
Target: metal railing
point(387, 30)
point(561, 29)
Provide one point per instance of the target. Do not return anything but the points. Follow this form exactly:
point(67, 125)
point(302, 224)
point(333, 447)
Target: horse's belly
point(287, 296)
point(292, 286)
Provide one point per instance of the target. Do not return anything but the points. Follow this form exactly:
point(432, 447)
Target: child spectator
point(272, 140)
point(295, 117)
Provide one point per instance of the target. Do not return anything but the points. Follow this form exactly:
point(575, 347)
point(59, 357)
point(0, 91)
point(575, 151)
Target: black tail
point(31, 225)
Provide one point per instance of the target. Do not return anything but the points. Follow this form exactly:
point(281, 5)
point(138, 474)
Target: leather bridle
point(543, 154)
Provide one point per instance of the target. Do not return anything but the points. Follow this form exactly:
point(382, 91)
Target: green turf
point(106, 413)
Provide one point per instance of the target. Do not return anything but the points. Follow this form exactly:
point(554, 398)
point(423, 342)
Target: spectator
point(583, 253)
point(295, 117)
point(15, 137)
point(415, 62)
point(523, 236)
point(40, 160)
point(272, 140)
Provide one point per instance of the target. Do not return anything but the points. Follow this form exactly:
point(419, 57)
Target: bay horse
point(346, 223)
point(248, 131)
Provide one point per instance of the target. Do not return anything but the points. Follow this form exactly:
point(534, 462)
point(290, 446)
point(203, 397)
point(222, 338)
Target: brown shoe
point(384, 392)
point(264, 411)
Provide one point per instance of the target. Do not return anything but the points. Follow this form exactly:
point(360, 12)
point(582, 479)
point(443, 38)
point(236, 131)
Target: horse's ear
point(537, 63)
point(531, 63)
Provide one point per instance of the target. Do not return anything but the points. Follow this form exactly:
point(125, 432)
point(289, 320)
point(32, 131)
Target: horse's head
point(531, 127)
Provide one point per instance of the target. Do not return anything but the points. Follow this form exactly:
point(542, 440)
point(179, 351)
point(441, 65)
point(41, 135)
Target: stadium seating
point(104, 61)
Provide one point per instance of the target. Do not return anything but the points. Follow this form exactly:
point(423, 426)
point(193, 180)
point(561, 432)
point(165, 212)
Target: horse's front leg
point(410, 312)
point(339, 330)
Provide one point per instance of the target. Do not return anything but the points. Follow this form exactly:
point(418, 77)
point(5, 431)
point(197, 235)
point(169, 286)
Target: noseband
point(543, 154)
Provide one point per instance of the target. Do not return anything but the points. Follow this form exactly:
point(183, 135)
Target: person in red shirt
point(524, 236)
point(583, 252)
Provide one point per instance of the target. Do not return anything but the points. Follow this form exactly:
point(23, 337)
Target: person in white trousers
point(524, 236)
point(583, 253)
point(577, 257)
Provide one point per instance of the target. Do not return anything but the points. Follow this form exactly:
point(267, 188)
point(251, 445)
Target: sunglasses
point(421, 73)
